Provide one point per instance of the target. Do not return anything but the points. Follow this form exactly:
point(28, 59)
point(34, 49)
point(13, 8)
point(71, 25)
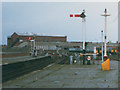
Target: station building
point(43, 42)
point(16, 38)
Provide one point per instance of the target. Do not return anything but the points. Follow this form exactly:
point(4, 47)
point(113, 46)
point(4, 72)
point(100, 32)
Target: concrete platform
point(18, 59)
point(68, 76)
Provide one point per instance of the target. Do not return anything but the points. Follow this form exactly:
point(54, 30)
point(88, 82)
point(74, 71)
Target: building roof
point(36, 34)
point(24, 33)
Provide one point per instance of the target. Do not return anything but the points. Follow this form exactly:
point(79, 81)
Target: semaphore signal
point(82, 15)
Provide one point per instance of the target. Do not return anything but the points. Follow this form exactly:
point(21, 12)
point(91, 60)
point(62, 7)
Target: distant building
point(16, 38)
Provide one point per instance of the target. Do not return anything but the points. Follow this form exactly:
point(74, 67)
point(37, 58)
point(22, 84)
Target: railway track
point(14, 70)
point(64, 61)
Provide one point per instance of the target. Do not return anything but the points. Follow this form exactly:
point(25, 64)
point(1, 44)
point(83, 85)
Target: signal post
point(82, 15)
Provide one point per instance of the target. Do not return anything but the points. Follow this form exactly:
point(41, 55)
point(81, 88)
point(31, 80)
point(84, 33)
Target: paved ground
point(68, 76)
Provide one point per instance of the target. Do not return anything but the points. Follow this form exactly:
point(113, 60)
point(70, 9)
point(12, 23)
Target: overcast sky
point(50, 18)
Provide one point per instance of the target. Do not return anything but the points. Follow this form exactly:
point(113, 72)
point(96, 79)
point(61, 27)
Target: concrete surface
point(68, 76)
point(18, 59)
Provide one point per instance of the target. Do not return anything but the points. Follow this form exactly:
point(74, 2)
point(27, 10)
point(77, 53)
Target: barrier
point(106, 65)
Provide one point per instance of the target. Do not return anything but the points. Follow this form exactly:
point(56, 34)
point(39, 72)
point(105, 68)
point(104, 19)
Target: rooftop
point(36, 34)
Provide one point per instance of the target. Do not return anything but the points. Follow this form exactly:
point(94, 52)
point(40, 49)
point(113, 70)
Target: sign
point(94, 49)
point(20, 40)
point(89, 58)
point(29, 38)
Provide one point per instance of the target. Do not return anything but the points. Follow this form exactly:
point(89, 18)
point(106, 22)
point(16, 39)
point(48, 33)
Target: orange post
point(106, 65)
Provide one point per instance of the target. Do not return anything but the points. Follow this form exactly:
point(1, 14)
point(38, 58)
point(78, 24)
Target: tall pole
point(82, 15)
point(105, 37)
point(105, 54)
point(34, 42)
point(102, 43)
point(84, 34)
point(83, 30)
point(31, 45)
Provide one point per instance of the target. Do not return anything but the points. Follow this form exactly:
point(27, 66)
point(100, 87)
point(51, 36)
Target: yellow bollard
point(106, 65)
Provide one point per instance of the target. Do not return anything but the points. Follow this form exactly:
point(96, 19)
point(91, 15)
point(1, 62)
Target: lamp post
point(105, 37)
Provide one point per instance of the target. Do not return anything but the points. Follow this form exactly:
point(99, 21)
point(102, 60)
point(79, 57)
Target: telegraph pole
point(105, 37)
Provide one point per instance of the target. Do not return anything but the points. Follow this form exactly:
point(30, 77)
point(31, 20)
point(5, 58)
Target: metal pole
point(102, 44)
point(34, 41)
point(31, 46)
point(83, 29)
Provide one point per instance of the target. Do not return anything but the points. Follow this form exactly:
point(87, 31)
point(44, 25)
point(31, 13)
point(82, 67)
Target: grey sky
point(52, 18)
